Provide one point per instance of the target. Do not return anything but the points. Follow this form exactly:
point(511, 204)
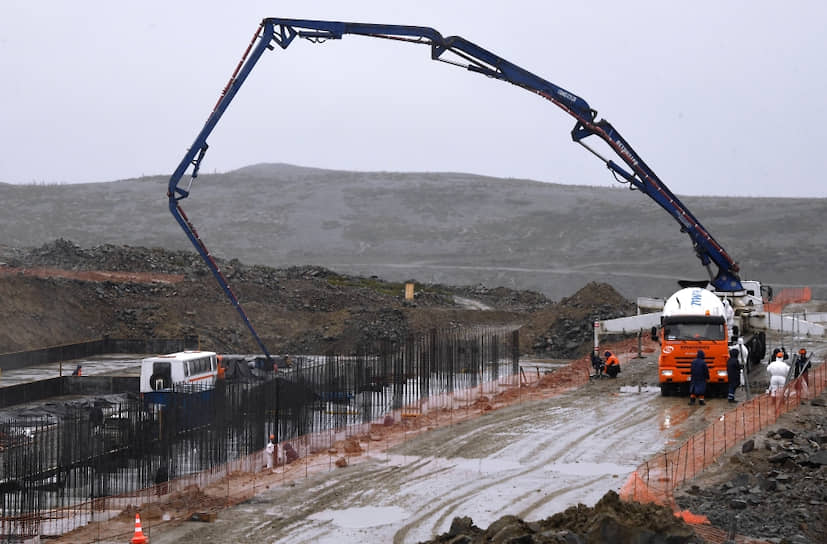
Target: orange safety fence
point(788, 295)
point(656, 479)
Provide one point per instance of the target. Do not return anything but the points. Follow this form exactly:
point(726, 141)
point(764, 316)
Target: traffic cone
point(139, 537)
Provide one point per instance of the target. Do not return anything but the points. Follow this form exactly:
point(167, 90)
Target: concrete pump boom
point(474, 58)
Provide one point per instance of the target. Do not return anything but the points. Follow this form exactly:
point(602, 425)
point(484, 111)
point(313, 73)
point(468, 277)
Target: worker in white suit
point(269, 452)
point(743, 358)
point(729, 315)
point(778, 371)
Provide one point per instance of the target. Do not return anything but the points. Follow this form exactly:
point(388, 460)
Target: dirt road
point(531, 460)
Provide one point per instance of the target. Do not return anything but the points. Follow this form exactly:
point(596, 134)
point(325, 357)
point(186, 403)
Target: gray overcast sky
point(719, 98)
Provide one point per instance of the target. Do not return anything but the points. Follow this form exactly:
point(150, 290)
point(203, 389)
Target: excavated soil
point(61, 293)
point(609, 520)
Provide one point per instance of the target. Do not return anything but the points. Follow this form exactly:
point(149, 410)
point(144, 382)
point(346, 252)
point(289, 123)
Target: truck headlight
point(721, 373)
point(666, 372)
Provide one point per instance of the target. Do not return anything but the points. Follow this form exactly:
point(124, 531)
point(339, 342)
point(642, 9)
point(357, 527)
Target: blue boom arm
point(474, 58)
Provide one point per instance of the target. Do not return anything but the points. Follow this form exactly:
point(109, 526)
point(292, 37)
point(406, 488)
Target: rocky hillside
point(61, 292)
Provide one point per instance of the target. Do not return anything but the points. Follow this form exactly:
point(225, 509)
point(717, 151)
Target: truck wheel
point(666, 389)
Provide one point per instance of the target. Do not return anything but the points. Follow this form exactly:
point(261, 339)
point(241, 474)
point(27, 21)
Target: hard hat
point(802, 351)
point(272, 437)
point(608, 353)
point(779, 355)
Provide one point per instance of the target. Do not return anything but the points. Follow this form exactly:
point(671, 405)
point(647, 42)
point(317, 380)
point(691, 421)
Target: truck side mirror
point(654, 334)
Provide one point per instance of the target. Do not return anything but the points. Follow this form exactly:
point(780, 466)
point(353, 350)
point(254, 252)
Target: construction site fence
point(90, 348)
point(96, 461)
point(656, 479)
point(788, 295)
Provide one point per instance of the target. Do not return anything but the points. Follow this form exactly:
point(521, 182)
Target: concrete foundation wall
point(80, 350)
point(99, 385)
point(67, 385)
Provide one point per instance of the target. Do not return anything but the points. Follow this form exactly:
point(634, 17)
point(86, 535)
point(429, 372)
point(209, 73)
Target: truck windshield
point(694, 331)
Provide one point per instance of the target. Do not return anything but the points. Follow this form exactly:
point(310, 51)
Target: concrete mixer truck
point(701, 317)
point(694, 319)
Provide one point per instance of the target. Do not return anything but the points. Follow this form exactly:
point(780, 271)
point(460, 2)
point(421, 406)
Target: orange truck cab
point(692, 319)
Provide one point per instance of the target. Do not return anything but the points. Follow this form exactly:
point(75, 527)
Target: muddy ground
point(542, 466)
point(529, 453)
point(476, 475)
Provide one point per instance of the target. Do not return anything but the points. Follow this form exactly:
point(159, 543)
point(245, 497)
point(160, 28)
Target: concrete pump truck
point(457, 51)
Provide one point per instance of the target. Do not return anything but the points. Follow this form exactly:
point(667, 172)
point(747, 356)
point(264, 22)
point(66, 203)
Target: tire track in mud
point(556, 494)
point(325, 492)
point(616, 444)
point(538, 457)
point(386, 480)
point(321, 491)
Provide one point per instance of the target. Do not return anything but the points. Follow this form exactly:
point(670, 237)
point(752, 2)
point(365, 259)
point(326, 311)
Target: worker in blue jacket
point(733, 372)
point(699, 375)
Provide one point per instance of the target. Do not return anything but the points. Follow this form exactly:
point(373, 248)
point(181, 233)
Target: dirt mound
point(610, 520)
point(62, 253)
point(62, 293)
point(566, 329)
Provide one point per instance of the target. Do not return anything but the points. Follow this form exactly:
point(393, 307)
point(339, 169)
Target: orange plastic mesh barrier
point(656, 479)
point(786, 296)
point(693, 519)
point(637, 488)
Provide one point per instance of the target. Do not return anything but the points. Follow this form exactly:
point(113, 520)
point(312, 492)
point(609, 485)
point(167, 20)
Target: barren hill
point(445, 228)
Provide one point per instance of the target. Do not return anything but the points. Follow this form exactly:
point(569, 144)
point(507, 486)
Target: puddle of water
point(361, 518)
point(542, 365)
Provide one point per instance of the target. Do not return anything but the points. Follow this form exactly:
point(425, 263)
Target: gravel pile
point(773, 487)
point(566, 329)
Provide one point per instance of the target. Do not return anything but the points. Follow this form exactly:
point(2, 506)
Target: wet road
point(531, 460)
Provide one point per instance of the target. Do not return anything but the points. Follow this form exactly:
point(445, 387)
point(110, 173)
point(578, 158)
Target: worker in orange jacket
point(221, 369)
point(612, 364)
